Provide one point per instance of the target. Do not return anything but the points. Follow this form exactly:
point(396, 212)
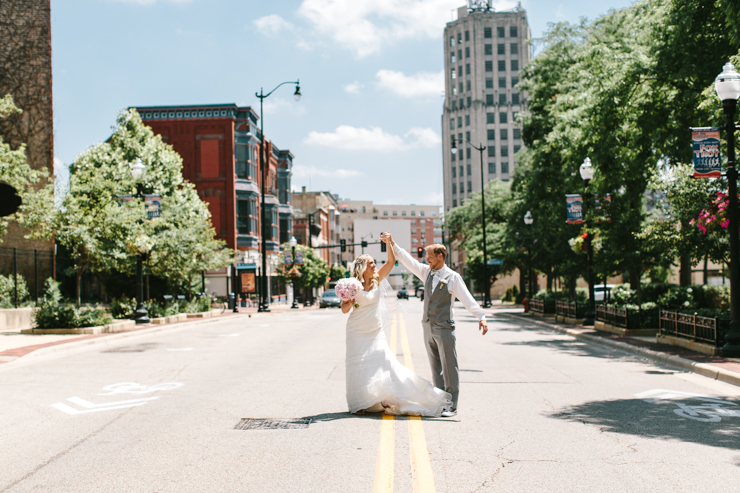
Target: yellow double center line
point(421, 465)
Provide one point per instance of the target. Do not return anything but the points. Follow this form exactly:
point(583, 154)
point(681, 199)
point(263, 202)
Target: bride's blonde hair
point(358, 271)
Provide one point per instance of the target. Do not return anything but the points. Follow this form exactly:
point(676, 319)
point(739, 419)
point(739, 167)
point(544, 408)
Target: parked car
point(420, 293)
point(602, 292)
point(402, 294)
point(330, 298)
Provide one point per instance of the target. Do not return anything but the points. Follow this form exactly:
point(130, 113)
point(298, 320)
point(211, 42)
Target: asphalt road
point(538, 411)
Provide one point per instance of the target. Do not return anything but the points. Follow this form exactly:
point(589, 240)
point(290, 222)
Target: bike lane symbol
point(710, 410)
point(118, 388)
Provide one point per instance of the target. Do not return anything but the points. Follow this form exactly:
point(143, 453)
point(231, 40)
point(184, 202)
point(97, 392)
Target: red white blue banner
point(707, 158)
point(575, 208)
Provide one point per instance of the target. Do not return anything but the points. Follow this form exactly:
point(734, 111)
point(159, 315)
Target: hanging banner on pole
point(152, 206)
point(707, 158)
point(603, 205)
point(575, 208)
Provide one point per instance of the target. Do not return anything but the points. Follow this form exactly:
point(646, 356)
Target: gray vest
point(438, 303)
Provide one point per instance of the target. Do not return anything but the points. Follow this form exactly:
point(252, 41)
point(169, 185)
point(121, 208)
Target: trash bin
point(232, 301)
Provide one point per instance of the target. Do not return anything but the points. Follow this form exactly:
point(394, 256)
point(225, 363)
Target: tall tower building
point(484, 51)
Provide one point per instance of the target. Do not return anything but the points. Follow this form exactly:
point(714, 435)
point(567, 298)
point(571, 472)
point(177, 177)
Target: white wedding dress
point(376, 380)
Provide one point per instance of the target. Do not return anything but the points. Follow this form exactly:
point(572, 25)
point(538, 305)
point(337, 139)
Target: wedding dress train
point(376, 380)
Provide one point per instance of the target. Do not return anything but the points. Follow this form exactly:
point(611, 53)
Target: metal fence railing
point(704, 329)
point(570, 309)
point(34, 266)
point(542, 306)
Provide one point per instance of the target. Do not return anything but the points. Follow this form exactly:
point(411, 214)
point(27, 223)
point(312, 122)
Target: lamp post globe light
point(528, 220)
point(264, 305)
point(293, 242)
point(486, 277)
point(587, 173)
point(141, 315)
point(727, 85)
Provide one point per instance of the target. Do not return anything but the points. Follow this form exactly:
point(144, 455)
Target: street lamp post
point(528, 220)
point(727, 86)
point(486, 277)
point(264, 299)
point(141, 316)
point(293, 243)
point(587, 173)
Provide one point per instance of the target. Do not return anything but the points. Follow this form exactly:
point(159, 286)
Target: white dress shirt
point(455, 285)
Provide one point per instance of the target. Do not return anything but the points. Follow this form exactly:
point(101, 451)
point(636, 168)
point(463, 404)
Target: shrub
point(200, 304)
point(551, 295)
point(678, 298)
point(653, 291)
point(581, 295)
point(53, 313)
point(123, 307)
point(711, 297)
point(622, 295)
point(511, 294)
point(7, 291)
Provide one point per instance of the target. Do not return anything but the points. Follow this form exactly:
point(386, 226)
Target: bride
point(376, 380)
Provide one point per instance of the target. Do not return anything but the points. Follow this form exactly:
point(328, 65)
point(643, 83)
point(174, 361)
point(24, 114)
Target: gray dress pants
point(443, 359)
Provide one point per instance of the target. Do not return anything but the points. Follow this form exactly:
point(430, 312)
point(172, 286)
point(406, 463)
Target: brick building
point(220, 148)
point(25, 73)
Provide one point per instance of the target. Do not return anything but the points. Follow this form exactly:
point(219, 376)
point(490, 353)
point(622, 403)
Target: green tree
point(32, 186)
point(314, 271)
point(337, 272)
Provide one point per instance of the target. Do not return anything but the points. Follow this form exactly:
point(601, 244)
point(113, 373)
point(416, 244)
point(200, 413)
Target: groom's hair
point(436, 249)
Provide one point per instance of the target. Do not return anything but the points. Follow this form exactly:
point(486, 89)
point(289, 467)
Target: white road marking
point(92, 407)
point(709, 411)
point(663, 394)
point(180, 349)
point(230, 335)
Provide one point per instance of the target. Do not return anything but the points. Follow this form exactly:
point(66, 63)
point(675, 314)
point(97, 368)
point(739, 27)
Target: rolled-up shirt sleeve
point(417, 268)
point(460, 290)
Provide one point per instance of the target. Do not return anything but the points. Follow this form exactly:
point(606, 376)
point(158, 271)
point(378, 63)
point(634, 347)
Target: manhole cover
point(272, 424)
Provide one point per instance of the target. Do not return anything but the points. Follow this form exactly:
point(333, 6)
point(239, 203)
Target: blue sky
point(368, 124)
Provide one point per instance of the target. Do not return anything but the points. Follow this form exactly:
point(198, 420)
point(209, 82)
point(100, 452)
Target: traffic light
point(420, 252)
point(363, 244)
point(343, 245)
point(396, 264)
point(383, 247)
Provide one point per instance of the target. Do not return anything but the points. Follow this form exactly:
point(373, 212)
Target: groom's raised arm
point(417, 268)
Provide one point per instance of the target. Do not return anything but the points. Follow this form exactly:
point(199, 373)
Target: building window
point(514, 81)
point(514, 48)
point(461, 167)
point(501, 67)
point(467, 35)
point(514, 65)
point(489, 66)
point(452, 124)
point(487, 33)
point(413, 213)
point(421, 213)
point(500, 32)
point(241, 156)
point(454, 202)
point(502, 98)
point(513, 32)
point(385, 213)
point(502, 117)
point(462, 104)
point(454, 105)
point(242, 217)
point(491, 151)
point(452, 156)
point(453, 74)
point(395, 213)
point(489, 83)
point(517, 133)
point(467, 52)
point(490, 118)
point(413, 231)
point(501, 49)
point(459, 55)
point(452, 40)
point(491, 134)
point(403, 213)
point(516, 149)
point(467, 155)
point(454, 172)
point(515, 98)
point(468, 101)
point(467, 83)
point(452, 58)
point(491, 168)
point(459, 38)
point(467, 69)
point(513, 115)
point(504, 136)
point(470, 186)
point(413, 221)
point(285, 230)
point(414, 241)
point(505, 151)
point(505, 168)
point(469, 167)
point(459, 121)
point(489, 99)
point(461, 87)
point(488, 49)
point(467, 120)
point(467, 136)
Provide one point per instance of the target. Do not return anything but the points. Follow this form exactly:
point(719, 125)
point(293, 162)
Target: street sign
point(494, 261)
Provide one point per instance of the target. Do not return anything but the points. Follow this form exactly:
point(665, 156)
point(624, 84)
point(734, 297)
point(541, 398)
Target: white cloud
point(365, 26)
point(270, 25)
point(275, 105)
point(312, 171)
point(353, 88)
point(421, 84)
point(373, 139)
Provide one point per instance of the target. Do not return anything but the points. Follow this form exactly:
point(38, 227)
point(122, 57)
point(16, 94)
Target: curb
point(703, 369)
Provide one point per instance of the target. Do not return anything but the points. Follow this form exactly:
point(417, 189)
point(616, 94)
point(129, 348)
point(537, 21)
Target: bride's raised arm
point(386, 269)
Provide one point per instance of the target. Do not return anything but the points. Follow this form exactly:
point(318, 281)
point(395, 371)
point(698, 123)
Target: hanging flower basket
point(580, 245)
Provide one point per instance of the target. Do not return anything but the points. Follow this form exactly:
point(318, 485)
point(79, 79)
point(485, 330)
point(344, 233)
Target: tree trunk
point(79, 272)
point(522, 280)
point(634, 279)
point(684, 273)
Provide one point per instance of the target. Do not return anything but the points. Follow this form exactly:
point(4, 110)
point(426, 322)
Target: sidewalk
point(716, 367)
point(14, 345)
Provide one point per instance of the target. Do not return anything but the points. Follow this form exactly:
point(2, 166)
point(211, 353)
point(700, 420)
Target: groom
point(441, 286)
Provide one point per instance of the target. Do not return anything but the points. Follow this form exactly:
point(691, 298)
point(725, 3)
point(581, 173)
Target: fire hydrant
point(525, 304)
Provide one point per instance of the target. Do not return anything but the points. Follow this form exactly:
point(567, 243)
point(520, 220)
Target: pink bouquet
point(348, 288)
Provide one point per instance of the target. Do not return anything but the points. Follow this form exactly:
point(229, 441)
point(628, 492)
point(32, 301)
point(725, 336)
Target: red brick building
point(220, 149)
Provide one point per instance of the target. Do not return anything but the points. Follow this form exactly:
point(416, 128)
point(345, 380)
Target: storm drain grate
point(272, 424)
